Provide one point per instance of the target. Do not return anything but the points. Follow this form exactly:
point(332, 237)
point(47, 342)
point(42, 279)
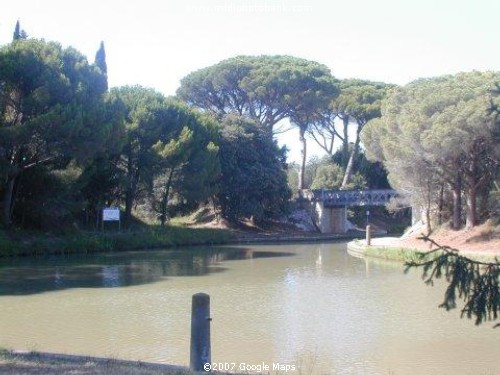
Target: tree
point(142, 131)
point(100, 62)
point(168, 148)
point(50, 105)
point(253, 173)
point(100, 181)
point(439, 131)
point(475, 282)
point(330, 175)
point(19, 33)
point(263, 88)
point(187, 152)
point(359, 102)
point(313, 92)
point(266, 89)
point(373, 173)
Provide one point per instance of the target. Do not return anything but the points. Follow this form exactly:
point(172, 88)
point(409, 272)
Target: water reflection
point(31, 276)
point(321, 309)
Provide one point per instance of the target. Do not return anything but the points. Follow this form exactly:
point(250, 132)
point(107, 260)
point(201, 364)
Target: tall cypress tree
point(100, 62)
point(19, 33)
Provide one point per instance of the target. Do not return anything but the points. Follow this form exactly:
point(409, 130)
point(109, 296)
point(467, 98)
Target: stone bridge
point(331, 205)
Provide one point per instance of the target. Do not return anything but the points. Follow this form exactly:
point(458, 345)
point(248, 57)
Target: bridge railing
point(375, 197)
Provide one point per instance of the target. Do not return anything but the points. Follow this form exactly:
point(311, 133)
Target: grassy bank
point(56, 364)
point(19, 243)
point(404, 254)
point(393, 253)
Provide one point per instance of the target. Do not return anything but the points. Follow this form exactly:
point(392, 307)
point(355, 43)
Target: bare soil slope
point(483, 238)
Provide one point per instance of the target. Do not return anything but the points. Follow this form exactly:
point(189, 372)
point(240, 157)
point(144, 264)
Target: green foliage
point(360, 100)
point(47, 198)
point(373, 173)
point(474, 282)
point(50, 111)
point(100, 181)
point(100, 61)
point(328, 176)
point(19, 33)
point(327, 173)
point(438, 132)
point(138, 106)
point(263, 88)
point(331, 176)
point(253, 172)
point(169, 150)
point(187, 157)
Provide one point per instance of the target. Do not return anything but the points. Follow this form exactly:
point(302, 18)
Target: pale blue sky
point(155, 43)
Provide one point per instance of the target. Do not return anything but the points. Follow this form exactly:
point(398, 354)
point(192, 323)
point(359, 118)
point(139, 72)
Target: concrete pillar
point(331, 220)
point(339, 220)
point(417, 213)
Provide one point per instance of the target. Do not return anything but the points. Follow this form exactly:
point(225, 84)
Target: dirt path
point(482, 240)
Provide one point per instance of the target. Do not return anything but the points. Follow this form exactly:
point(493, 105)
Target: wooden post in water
point(368, 235)
point(200, 332)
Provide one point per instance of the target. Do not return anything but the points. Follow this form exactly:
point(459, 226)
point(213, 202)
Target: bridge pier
point(331, 219)
point(331, 205)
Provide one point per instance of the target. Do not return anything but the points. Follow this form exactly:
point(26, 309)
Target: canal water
point(312, 307)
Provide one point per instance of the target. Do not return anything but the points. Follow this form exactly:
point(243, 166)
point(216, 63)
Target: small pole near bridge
point(368, 229)
point(200, 333)
point(368, 235)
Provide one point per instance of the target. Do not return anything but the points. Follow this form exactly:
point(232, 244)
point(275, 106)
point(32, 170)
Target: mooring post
point(368, 235)
point(200, 332)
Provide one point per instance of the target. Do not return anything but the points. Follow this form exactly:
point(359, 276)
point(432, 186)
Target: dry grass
point(55, 364)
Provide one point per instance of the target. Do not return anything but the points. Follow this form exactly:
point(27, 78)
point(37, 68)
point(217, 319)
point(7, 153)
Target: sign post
point(111, 214)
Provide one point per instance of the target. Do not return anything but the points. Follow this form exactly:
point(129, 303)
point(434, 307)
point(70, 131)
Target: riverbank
point(480, 243)
point(29, 363)
point(382, 248)
point(33, 243)
point(30, 243)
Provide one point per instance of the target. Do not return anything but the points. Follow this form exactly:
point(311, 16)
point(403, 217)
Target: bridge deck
point(335, 198)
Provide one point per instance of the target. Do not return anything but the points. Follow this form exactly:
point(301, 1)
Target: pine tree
point(100, 61)
point(475, 282)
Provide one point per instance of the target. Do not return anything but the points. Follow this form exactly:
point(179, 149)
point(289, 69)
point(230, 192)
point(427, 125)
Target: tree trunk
point(474, 182)
point(428, 226)
point(8, 201)
point(483, 196)
point(164, 201)
point(350, 165)
point(303, 153)
point(348, 170)
point(345, 141)
point(441, 204)
point(457, 203)
point(129, 201)
point(428, 208)
point(471, 220)
point(130, 196)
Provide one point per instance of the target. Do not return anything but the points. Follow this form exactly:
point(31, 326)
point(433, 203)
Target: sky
point(156, 43)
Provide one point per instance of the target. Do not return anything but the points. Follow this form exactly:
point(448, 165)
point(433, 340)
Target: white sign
point(111, 214)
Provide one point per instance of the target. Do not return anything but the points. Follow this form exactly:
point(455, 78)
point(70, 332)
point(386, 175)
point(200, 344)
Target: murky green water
point(313, 306)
